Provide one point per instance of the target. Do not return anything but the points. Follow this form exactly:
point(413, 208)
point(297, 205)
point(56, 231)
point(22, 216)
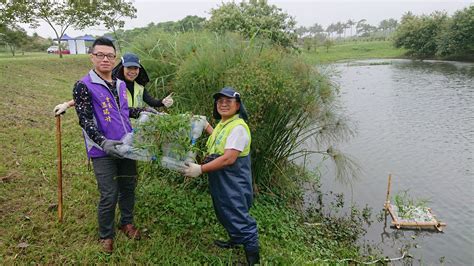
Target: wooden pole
point(387, 200)
point(60, 169)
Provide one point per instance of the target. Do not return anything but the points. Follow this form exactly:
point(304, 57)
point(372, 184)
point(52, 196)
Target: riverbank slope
point(178, 221)
point(353, 51)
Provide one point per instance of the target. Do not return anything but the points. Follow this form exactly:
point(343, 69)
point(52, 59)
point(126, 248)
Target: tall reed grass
point(289, 102)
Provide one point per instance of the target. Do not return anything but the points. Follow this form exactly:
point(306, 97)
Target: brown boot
point(107, 245)
point(131, 231)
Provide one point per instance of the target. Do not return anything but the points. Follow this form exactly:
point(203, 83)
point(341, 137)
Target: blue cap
point(228, 92)
point(130, 60)
point(231, 93)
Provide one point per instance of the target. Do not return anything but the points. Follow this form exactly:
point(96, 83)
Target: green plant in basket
point(409, 208)
point(170, 133)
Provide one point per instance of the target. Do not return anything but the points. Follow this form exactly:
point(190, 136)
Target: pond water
point(415, 120)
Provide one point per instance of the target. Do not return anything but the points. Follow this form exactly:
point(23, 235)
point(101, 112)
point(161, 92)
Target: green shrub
point(457, 37)
point(288, 101)
point(436, 34)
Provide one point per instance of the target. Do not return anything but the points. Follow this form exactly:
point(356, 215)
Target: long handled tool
point(60, 169)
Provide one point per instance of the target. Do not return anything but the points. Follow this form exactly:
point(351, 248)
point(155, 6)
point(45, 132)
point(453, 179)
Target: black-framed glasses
point(101, 56)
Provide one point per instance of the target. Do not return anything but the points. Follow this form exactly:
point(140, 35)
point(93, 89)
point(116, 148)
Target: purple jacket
point(110, 117)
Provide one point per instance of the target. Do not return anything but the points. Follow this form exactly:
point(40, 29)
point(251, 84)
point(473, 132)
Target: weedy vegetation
point(289, 102)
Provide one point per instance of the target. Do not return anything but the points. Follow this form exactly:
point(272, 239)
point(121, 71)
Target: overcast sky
point(306, 12)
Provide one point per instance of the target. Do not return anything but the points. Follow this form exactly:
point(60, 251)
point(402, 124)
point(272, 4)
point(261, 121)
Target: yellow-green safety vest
point(216, 142)
point(137, 100)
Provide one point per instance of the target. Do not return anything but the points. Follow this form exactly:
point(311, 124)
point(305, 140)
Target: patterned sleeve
point(84, 110)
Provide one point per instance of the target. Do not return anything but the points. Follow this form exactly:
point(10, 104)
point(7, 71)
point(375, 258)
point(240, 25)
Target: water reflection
point(431, 66)
point(415, 119)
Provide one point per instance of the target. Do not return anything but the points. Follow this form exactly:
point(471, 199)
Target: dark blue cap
point(130, 60)
point(231, 93)
point(228, 92)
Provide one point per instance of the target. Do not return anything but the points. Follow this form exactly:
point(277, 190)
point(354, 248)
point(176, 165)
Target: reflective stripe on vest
point(216, 142)
point(137, 100)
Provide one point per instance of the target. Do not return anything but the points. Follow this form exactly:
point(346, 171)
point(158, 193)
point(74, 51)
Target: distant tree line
point(437, 34)
point(340, 29)
point(253, 19)
point(316, 35)
point(14, 38)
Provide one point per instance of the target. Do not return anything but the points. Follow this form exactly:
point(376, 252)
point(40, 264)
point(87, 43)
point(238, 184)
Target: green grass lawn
point(29, 55)
point(353, 51)
point(177, 218)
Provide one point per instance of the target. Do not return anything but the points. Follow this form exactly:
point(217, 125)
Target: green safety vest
point(216, 142)
point(137, 100)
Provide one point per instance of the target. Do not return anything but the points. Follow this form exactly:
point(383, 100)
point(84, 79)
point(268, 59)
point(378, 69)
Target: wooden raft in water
point(427, 221)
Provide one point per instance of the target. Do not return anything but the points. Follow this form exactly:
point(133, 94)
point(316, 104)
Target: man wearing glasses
point(102, 107)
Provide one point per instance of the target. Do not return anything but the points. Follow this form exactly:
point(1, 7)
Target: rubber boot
point(224, 244)
point(253, 257)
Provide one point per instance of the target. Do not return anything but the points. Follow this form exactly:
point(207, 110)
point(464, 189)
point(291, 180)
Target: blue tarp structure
point(87, 38)
point(65, 38)
point(77, 45)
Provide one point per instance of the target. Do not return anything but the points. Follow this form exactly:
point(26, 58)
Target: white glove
point(192, 169)
point(61, 108)
point(150, 110)
point(168, 101)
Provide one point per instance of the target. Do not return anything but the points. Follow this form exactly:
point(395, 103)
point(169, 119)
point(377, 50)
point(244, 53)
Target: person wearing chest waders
point(102, 108)
point(230, 176)
point(132, 72)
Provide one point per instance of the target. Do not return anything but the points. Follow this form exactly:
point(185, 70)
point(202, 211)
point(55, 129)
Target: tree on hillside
point(345, 26)
point(316, 29)
point(340, 28)
point(384, 26)
point(63, 14)
point(255, 18)
point(387, 26)
point(328, 43)
point(364, 29)
point(359, 25)
point(330, 29)
point(392, 24)
point(36, 43)
point(112, 14)
point(351, 24)
point(302, 31)
point(11, 12)
point(12, 36)
point(191, 23)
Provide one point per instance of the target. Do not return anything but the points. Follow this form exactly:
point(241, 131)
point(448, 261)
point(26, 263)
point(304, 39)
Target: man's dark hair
point(102, 41)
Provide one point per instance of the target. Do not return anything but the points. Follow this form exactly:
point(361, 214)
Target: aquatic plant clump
point(408, 209)
point(413, 214)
